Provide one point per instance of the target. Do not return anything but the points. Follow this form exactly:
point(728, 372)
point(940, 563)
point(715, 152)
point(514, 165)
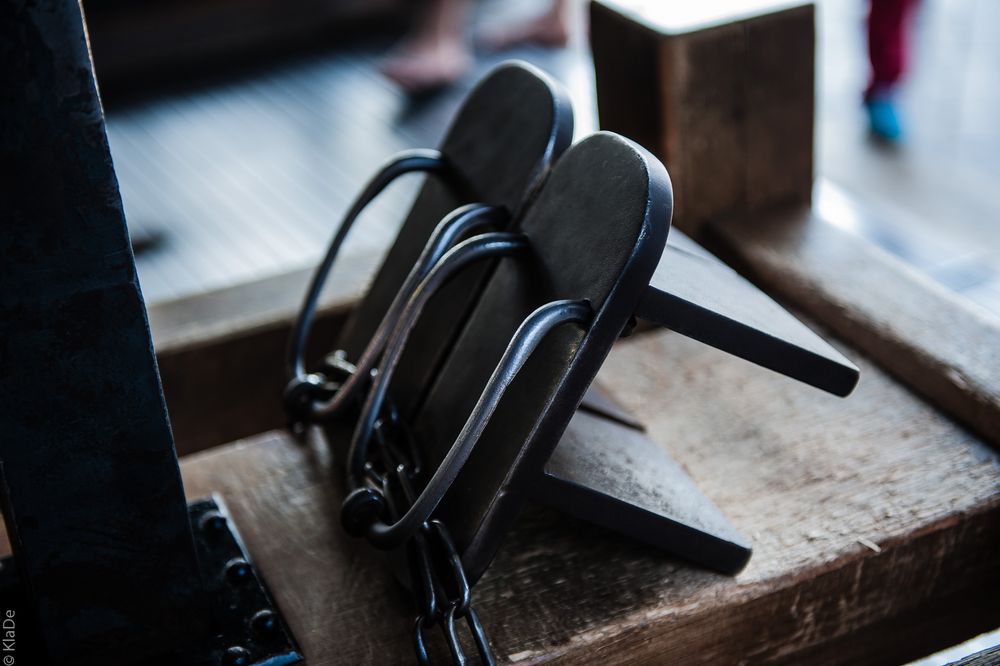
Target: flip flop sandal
point(577, 267)
point(507, 133)
point(586, 259)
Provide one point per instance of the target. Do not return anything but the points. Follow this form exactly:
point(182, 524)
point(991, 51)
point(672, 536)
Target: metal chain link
point(391, 471)
point(441, 589)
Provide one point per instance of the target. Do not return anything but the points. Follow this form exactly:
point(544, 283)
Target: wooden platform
point(875, 523)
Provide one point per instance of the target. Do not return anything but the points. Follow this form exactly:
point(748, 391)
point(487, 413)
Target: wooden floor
point(933, 200)
point(872, 520)
point(248, 178)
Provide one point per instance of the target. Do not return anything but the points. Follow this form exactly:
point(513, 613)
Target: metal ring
point(463, 596)
point(428, 161)
point(478, 635)
point(419, 642)
point(526, 339)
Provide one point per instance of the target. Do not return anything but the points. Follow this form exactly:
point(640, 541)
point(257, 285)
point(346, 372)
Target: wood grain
point(221, 355)
point(874, 520)
point(937, 342)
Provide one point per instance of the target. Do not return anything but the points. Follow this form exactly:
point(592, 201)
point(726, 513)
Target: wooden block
point(722, 92)
point(875, 523)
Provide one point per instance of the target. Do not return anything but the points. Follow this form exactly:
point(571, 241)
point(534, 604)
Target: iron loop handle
point(448, 232)
point(428, 161)
point(526, 339)
point(485, 246)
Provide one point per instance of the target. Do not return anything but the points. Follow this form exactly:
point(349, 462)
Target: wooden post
point(721, 92)
point(91, 489)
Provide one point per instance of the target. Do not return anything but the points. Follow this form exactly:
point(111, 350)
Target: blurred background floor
point(934, 200)
point(247, 177)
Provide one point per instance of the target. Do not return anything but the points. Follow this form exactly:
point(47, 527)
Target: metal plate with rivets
point(250, 630)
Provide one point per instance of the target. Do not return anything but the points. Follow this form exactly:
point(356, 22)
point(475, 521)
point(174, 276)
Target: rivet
point(238, 571)
point(213, 522)
point(264, 624)
point(235, 656)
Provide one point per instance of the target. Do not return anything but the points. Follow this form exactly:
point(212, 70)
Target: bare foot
point(548, 30)
point(427, 64)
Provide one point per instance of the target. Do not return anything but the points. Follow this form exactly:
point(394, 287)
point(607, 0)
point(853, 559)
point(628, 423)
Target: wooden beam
point(938, 343)
point(875, 521)
point(722, 92)
point(221, 354)
point(89, 485)
point(932, 339)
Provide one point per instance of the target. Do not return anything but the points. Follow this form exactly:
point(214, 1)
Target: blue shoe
point(882, 119)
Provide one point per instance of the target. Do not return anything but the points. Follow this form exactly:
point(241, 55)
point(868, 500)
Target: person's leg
point(550, 28)
point(438, 52)
point(887, 49)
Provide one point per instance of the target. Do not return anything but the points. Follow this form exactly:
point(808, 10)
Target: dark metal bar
point(697, 295)
point(526, 339)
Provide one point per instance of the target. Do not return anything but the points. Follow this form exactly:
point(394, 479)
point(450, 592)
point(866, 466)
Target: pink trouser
point(887, 43)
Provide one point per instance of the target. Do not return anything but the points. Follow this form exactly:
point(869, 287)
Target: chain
point(440, 587)
point(320, 385)
point(441, 590)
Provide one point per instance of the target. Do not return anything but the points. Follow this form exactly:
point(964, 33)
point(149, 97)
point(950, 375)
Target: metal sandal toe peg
point(616, 477)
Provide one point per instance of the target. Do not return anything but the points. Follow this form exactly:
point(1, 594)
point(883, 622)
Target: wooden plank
point(861, 293)
point(221, 355)
point(935, 341)
point(875, 523)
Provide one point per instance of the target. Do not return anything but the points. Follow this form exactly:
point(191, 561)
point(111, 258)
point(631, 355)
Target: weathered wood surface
point(937, 342)
point(875, 522)
point(722, 92)
point(221, 355)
